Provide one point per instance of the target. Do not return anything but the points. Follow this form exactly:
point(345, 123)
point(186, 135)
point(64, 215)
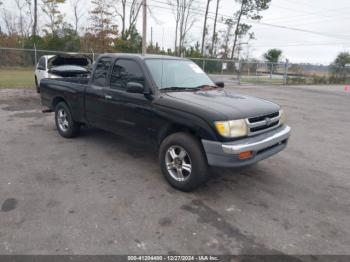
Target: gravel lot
point(102, 194)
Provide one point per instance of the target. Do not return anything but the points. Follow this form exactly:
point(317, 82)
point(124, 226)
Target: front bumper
point(262, 146)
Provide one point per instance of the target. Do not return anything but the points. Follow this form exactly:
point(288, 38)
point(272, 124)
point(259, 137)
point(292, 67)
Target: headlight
point(283, 118)
point(233, 128)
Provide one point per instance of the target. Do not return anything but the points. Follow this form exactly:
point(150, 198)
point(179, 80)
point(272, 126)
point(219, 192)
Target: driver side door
point(130, 113)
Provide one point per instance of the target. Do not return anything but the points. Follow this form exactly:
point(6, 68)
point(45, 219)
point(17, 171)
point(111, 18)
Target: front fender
point(168, 119)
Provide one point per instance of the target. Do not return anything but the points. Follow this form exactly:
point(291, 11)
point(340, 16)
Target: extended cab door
point(96, 102)
point(130, 113)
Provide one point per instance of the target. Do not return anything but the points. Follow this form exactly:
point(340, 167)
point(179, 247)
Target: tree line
point(110, 26)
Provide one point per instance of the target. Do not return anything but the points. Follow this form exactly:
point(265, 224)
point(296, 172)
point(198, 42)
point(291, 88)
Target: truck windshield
point(176, 73)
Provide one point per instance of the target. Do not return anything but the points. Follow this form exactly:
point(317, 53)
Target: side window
point(41, 63)
point(101, 71)
point(125, 71)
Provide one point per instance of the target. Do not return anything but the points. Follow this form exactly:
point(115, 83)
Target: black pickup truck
point(172, 103)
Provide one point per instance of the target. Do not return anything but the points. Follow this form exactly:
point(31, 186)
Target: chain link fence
point(260, 72)
point(20, 57)
point(17, 69)
point(242, 71)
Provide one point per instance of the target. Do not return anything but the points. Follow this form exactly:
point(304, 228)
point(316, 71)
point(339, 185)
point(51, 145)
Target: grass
point(262, 81)
point(17, 77)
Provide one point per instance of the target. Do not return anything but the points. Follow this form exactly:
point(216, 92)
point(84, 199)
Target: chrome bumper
point(262, 146)
point(265, 140)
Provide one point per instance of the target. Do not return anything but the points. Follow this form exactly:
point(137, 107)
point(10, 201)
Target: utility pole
point(213, 40)
point(35, 55)
point(162, 38)
point(34, 31)
point(144, 27)
point(205, 27)
point(151, 36)
point(286, 72)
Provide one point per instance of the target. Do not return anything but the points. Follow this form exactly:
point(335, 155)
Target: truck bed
point(75, 80)
point(70, 89)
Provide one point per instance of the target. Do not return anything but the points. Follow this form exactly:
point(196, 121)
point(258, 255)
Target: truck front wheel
point(65, 124)
point(183, 162)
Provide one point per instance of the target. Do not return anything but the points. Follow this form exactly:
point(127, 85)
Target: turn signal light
point(246, 154)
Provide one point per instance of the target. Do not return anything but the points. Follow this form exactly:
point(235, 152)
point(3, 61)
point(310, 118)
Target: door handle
point(108, 97)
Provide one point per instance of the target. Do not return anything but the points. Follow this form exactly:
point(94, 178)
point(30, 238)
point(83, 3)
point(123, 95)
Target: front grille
point(259, 128)
point(261, 118)
point(260, 124)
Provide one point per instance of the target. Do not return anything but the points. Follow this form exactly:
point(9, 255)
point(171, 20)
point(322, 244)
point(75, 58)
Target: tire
point(183, 180)
point(65, 124)
point(37, 85)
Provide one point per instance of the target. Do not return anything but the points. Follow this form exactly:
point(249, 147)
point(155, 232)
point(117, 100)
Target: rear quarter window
point(101, 72)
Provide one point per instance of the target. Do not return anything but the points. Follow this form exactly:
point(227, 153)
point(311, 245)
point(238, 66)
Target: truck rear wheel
point(65, 124)
point(183, 161)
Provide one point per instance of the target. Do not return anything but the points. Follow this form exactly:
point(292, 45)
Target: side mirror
point(220, 84)
point(40, 68)
point(134, 87)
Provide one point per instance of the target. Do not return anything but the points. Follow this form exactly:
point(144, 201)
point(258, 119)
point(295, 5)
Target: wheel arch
point(57, 100)
point(172, 128)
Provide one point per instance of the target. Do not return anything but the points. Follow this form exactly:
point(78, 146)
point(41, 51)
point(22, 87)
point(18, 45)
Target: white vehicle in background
point(62, 65)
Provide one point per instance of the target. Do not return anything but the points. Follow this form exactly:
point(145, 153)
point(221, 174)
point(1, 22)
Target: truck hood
point(225, 104)
point(69, 59)
point(68, 70)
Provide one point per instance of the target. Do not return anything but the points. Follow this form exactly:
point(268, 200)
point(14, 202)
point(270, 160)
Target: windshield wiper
point(203, 86)
point(177, 88)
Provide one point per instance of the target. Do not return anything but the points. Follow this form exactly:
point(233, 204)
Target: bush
point(319, 80)
point(334, 79)
point(296, 80)
point(213, 66)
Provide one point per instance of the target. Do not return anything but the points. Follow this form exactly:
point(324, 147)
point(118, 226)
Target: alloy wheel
point(62, 120)
point(178, 163)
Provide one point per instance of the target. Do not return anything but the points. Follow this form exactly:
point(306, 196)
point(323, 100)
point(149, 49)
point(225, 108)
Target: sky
point(317, 29)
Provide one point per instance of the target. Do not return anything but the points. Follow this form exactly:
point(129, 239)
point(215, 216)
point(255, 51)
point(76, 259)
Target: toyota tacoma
point(173, 104)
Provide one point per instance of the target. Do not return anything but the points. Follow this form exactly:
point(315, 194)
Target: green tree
point(55, 18)
point(340, 67)
point(226, 36)
point(296, 69)
point(131, 42)
point(184, 20)
point(249, 9)
point(103, 30)
point(272, 56)
point(193, 51)
point(66, 39)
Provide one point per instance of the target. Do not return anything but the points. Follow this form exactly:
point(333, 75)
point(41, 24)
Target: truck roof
point(140, 56)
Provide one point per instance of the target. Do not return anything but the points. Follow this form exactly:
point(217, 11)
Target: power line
point(317, 21)
point(298, 29)
point(312, 6)
point(289, 20)
point(306, 15)
point(259, 22)
point(302, 44)
point(200, 11)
